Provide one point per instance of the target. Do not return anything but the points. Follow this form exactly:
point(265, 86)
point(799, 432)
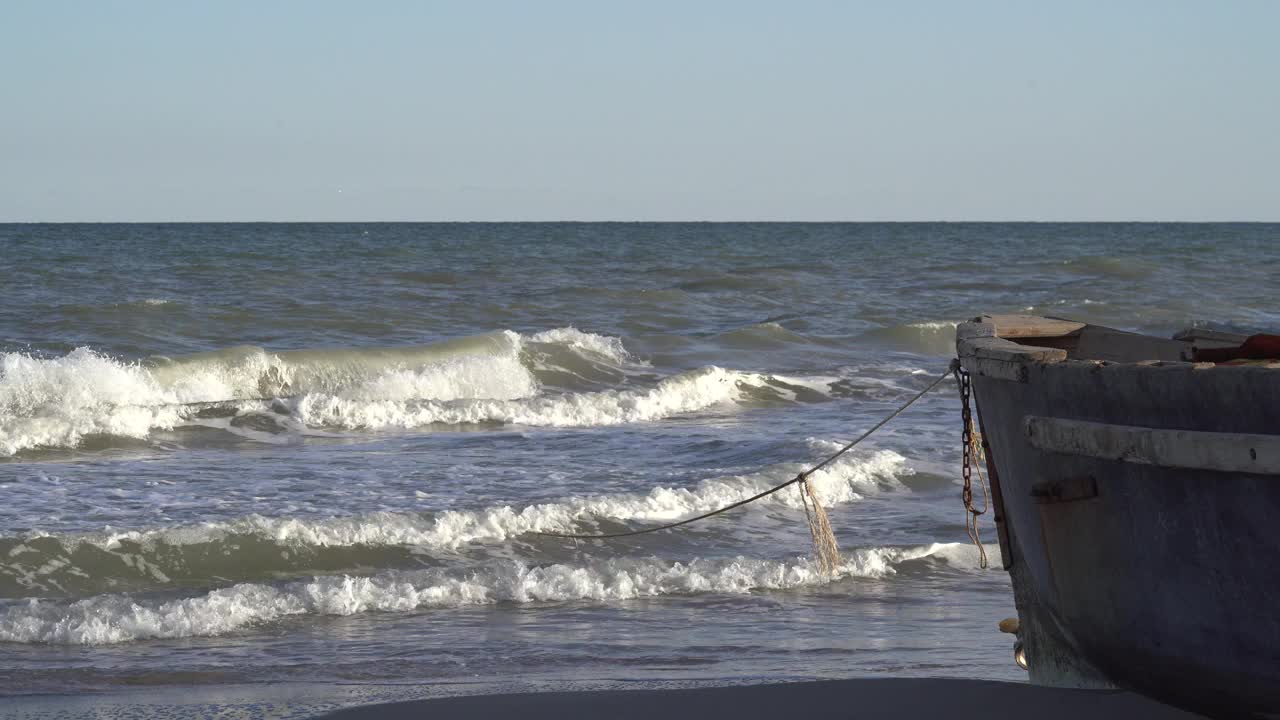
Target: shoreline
point(862, 698)
point(857, 698)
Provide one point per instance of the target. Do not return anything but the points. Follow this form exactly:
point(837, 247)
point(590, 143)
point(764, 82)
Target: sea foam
point(843, 481)
point(94, 562)
point(686, 392)
point(116, 618)
point(57, 402)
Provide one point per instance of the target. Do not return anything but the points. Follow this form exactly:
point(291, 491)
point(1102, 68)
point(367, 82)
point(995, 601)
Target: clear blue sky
point(654, 110)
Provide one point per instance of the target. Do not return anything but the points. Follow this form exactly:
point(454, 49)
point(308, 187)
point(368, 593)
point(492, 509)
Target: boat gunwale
point(984, 346)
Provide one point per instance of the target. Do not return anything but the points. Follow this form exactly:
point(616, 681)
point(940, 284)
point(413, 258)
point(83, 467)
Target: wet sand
point(861, 698)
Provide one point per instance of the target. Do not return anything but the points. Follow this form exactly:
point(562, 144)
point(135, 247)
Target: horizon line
point(638, 222)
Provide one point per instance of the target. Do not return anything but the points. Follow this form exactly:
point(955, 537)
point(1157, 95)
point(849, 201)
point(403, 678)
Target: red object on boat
point(1257, 347)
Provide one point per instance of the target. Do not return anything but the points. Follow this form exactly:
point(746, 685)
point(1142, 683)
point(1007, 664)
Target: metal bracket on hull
point(1050, 492)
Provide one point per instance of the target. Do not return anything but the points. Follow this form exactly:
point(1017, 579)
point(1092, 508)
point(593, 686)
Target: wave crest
point(116, 618)
point(686, 392)
point(257, 546)
point(556, 377)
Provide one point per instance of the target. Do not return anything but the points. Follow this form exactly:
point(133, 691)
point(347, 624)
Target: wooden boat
point(1136, 491)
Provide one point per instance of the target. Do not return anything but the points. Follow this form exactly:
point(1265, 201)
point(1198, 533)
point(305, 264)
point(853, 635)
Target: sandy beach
point(858, 698)
point(861, 698)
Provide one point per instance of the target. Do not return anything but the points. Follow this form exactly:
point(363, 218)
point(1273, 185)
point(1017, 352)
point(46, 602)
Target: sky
point(694, 110)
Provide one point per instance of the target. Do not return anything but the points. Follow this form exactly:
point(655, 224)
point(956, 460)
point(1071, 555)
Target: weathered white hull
point(1140, 501)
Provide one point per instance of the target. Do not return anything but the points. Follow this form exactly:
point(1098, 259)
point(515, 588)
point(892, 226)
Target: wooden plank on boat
point(975, 329)
point(996, 369)
point(993, 357)
point(1194, 450)
point(1101, 343)
point(1005, 351)
point(1202, 338)
point(1031, 326)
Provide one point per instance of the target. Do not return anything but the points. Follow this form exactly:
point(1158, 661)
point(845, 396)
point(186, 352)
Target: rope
point(800, 478)
point(201, 404)
point(215, 403)
point(972, 512)
point(824, 541)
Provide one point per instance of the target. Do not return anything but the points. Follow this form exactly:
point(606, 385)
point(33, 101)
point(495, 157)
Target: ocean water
point(234, 454)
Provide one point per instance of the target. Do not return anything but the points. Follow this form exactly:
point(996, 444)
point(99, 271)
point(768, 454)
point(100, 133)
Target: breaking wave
point(683, 393)
point(258, 547)
point(560, 377)
point(116, 618)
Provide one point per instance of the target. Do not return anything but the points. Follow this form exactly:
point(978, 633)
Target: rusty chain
point(969, 463)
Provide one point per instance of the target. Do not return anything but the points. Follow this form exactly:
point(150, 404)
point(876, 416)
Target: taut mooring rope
point(824, 539)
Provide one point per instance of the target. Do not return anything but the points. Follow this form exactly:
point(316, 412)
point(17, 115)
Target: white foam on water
point(817, 383)
point(116, 618)
point(464, 378)
point(841, 482)
point(965, 555)
point(57, 402)
point(683, 393)
point(935, 325)
point(605, 346)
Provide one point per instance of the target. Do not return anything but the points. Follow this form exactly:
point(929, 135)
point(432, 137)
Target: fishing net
point(825, 548)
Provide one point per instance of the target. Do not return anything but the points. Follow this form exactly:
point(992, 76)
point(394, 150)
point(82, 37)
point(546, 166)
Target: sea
point(275, 469)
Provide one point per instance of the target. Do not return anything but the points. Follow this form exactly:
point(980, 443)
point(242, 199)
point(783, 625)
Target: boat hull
point(1164, 580)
